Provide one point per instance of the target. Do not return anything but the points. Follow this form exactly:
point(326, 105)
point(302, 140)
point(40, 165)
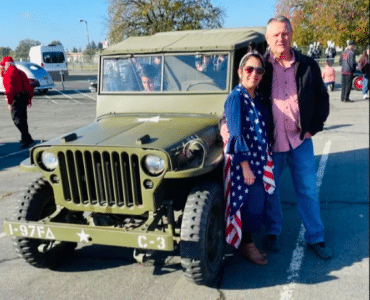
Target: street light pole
point(87, 30)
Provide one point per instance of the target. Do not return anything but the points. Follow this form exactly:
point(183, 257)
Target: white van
point(52, 58)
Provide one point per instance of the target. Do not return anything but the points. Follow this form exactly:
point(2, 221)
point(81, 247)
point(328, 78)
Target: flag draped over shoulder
point(248, 142)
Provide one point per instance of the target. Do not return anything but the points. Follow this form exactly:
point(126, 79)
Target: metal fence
point(82, 63)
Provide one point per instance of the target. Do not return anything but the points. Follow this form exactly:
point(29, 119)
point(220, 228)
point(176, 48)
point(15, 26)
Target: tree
point(287, 8)
point(55, 42)
point(146, 17)
point(323, 20)
point(89, 49)
point(23, 48)
point(74, 50)
point(93, 46)
point(5, 51)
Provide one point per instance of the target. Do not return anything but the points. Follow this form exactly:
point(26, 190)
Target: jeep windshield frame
point(165, 73)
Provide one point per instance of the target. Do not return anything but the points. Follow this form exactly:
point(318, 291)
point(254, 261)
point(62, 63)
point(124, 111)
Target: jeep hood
point(144, 131)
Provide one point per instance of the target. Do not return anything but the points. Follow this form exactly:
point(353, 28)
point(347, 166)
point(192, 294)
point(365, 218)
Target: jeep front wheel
point(202, 233)
point(38, 203)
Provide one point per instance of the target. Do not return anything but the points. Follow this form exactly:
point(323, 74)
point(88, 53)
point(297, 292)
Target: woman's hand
point(248, 175)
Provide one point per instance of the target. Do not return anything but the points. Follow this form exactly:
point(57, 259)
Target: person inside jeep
point(148, 78)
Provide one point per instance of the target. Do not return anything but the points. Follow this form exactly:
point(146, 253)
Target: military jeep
point(147, 174)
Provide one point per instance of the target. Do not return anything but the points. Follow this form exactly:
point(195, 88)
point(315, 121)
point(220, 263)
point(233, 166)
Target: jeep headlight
point(49, 161)
point(153, 164)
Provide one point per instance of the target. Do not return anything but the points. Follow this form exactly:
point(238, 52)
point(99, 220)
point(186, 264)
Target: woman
point(248, 169)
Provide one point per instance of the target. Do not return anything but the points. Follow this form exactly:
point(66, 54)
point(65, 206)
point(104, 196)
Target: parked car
point(39, 78)
point(147, 174)
point(357, 81)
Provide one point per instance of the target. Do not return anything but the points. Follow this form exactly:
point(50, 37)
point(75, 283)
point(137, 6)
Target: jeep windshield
point(165, 73)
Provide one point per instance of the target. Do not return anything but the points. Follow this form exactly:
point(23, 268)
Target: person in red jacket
point(18, 93)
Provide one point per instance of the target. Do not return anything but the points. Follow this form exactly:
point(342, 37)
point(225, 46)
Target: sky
point(47, 20)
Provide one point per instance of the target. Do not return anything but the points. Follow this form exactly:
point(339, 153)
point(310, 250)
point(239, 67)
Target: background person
point(328, 76)
point(348, 62)
point(247, 180)
point(203, 62)
point(148, 75)
point(19, 93)
point(363, 65)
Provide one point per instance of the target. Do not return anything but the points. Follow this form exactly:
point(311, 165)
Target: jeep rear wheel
point(36, 204)
point(202, 234)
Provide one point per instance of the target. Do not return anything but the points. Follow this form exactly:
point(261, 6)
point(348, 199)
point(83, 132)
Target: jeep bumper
point(138, 238)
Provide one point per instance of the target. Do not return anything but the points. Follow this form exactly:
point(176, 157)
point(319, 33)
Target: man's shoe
point(349, 100)
point(271, 243)
point(366, 96)
point(26, 144)
point(321, 250)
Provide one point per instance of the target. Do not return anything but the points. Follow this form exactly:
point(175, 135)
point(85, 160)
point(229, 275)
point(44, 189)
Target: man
point(293, 89)
point(300, 106)
point(19, 93)
point(348, 63)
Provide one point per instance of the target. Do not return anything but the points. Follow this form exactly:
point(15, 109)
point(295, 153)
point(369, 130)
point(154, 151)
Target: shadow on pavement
point(337, 126)
point(344, 202)
point(100, 257)
point(11, 154)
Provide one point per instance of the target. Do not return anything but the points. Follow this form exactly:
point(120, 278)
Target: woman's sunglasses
point(259, 70)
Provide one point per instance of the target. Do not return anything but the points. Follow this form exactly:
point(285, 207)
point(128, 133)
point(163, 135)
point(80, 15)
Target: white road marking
point(2, 235)
point(68, 96)
point(85, 95)
point(51, 99)
point(298, 253)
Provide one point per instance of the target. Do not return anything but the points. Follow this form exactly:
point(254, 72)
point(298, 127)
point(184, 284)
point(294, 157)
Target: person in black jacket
point(299, 102)
point(348, 62)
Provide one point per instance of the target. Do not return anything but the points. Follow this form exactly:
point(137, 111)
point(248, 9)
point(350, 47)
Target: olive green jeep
point(147, 174)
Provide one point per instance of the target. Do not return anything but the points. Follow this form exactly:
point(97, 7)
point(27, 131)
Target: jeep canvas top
point(147, 174)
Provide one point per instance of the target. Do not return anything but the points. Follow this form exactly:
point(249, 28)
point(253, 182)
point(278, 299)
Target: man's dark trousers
point(346, 86)
point(19, 116)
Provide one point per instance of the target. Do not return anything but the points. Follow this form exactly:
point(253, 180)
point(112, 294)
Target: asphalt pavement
point(102, 272)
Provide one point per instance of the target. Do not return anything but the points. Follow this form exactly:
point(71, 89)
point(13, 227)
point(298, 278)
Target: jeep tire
point(36, 204)
point(202, 233)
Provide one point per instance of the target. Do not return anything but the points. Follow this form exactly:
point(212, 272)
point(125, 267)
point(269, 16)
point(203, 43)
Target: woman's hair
point(250, 54)
point(148, 71)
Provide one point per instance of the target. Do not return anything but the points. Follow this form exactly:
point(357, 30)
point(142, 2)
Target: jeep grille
point(100, 178)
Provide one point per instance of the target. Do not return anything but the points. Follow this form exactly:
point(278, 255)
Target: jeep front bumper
point(51, 231)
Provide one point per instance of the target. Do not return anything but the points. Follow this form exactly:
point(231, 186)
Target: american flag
point(260, 161)
point(234, 204)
